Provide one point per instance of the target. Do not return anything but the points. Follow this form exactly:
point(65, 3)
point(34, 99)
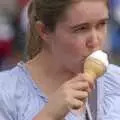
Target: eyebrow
point(105, 19)
point(87, 24)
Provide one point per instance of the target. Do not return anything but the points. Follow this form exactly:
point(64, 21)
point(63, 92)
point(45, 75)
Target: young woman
point(51, 84)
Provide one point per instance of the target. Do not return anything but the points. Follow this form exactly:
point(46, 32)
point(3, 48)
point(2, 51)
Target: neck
point(45, 71)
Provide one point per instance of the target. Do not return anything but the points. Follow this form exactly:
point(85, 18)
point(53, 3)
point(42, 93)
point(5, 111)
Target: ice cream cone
point(94, 65)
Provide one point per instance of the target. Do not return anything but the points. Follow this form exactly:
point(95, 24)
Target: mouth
point(83, 59)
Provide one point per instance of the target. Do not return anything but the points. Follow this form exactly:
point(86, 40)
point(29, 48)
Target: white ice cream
point(100, 55)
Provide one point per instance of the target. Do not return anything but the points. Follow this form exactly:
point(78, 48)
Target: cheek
point(78, 47)
point(72, 46)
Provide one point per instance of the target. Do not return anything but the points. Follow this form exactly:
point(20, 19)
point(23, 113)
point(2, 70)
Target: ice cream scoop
point(95, 65)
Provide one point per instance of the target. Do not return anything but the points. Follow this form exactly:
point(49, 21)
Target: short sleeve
point(20, 99)
point(7, 106)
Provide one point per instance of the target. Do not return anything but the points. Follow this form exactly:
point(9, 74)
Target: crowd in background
point(13, 25)
point(114, 30)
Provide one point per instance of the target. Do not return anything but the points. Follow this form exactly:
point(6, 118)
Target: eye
point(102, 24)
point(82, 28)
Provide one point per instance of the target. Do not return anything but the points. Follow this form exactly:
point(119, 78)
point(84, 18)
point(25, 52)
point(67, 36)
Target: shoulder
point(18, 91)
point(111, 93)
point(13, 91)
point(112, 79)
point(8, 86)
point(15, 82)
point(10, 78)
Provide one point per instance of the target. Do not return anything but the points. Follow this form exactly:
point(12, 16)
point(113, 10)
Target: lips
point(84, 58)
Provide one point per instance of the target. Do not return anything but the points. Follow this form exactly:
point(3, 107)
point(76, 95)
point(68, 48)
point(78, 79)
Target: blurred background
point(114, 31)
point(13, 25)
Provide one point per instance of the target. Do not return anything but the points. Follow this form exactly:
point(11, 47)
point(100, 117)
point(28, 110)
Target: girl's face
point(81, 32)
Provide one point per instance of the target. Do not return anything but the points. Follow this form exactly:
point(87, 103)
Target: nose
point(93, 41)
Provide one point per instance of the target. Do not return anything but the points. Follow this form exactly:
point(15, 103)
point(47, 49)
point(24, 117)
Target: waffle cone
point(95, 68)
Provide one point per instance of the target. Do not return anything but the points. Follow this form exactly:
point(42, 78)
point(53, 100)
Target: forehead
point(86, 10)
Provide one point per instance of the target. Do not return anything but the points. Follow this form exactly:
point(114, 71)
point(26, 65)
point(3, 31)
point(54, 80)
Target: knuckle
point(81, 103)
point(86, 94)
point(77, 105)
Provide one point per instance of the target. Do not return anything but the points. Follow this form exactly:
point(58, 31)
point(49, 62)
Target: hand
point(71, 95)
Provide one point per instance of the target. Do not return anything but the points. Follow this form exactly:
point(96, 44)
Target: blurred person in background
point(9, 5)
point(51, 83)
point(23, 14)
point(114, 30)
point(15, 15)
point(21, 25)
point(7, 35)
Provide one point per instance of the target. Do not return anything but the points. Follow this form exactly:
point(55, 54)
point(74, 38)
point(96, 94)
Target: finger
point(90, 80)
point(76, 104)
point(83, 86)
point(80, 95)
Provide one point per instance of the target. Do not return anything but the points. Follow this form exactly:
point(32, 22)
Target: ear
point(42, 30)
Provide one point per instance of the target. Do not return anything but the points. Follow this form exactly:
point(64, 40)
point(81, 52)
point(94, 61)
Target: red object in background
point(22, 3)
point(5, 48)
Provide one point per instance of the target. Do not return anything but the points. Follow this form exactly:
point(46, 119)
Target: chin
point(77, 70)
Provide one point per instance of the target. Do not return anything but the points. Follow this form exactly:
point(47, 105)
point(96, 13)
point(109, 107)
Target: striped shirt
point(21, 99)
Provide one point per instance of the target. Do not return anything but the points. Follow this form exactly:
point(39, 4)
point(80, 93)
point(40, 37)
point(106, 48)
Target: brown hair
point(49, 13)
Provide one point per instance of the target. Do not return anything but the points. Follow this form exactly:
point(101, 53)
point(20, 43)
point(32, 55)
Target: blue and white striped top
point(20, 99)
